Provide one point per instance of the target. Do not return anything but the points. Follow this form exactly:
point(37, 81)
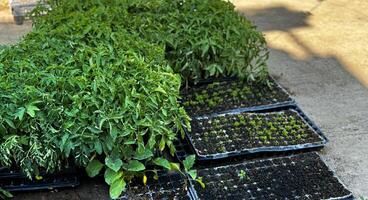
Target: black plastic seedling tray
point(231, 103)
point(320, 139)
point(15, 181)
point(168, 186)
point(301, 176)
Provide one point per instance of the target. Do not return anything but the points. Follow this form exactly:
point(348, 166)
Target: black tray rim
point(313, 126)
point(347, 197)
point(290, 100)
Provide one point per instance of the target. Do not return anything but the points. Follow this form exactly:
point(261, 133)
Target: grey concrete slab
point(311, 55)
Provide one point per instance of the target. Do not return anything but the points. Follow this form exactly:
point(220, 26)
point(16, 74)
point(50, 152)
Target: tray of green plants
point(227, 95)
point(15, 181)
point(163, 185)
point(300, 176)
point(240, 133)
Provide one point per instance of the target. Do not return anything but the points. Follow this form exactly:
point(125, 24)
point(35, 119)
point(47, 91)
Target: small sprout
point(263, 138)
point(299, 137)
point(236, 124)
point(242, 175)
point(234, 93)
point(221, 149)
point(211, 103)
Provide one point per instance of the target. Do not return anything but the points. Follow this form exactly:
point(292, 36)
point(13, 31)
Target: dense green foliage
point(202, 38)
point(96, 82)
point(84, 91)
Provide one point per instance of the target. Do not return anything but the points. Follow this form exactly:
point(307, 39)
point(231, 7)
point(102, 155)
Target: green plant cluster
point(96, 82)
point(78, 88)
point(202, 38)
point(266, 127)
point(235, 132)
point(229, 94)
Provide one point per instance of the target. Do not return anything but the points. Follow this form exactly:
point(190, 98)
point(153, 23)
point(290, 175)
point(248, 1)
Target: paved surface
point(318, 52)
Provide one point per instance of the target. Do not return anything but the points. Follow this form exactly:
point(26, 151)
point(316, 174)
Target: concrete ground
point(318, 52)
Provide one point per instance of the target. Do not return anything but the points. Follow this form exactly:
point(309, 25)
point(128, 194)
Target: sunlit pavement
point(319, 52)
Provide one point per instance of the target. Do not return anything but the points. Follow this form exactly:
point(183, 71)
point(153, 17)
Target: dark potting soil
point(168, 186)
point(302, 176)
point(226, 95)
point(245, 131)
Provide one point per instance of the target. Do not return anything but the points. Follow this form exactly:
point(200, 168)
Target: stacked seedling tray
point(21, 8)
point(239, 133)
point(167, 186)
point(302, 176)
point(227, 95)
point(13, 180)
point(231, 121)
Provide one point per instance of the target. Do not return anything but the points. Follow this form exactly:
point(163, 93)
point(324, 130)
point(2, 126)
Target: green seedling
point(242, 175)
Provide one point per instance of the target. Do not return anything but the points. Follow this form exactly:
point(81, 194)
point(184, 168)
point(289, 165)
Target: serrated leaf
point(94, 167)
point(20, 113)
point(31, 110)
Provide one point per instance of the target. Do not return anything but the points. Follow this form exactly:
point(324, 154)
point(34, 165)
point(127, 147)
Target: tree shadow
point(277, 18)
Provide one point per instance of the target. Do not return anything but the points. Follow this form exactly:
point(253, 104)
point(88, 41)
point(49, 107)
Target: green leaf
point(114, 163)
point(98, 147)
point(159, 89)
point(5, 193)
point(162, 144)
point(117, 187)
point(162, 162)
point(175, 167)
point(94, 167)
point(31, 110)
point(189, 162)
point(193, 174)
point(10, 123)
point(111, 176)
point(134, 166)
point(145, 154)
point(20, 113)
